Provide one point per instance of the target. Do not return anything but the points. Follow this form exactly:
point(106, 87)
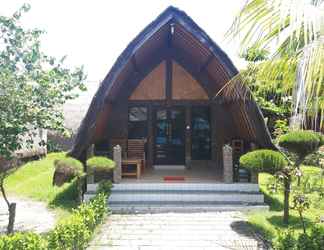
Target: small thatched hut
point(163, 88)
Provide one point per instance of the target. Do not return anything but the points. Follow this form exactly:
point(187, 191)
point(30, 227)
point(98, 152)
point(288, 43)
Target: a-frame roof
point(172, 33)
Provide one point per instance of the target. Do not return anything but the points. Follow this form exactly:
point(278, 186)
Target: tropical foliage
point(294, 31)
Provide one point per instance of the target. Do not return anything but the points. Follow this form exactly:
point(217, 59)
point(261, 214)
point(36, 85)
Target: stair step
point(185, 197)
point(149, 208)
point(233, 187)
point(182, 197)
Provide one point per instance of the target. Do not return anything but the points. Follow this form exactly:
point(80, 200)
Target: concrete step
point(208, 187)
point(185, 197)
point(185, 208)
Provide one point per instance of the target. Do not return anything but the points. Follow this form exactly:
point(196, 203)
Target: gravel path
point(203, 231)
point(30, 216)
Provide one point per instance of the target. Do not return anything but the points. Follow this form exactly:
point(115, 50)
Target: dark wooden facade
point(172, 67)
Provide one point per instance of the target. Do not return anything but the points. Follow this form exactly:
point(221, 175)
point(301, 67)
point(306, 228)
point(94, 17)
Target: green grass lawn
point(268, 223)
point(34, 180)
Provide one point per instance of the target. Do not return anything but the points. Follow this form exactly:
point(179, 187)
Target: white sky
point(94, 33)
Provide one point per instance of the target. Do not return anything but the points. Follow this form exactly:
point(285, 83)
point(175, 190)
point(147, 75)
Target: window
point(137, 122)
point(201, 142)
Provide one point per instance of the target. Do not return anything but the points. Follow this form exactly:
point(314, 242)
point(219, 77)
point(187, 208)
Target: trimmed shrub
point(304, 241)
point(100, 164)
point(66, 169)
point(301, 142)
point(263, 160)
point(71, 235)
point(76, 232)
point(99, 206)
point(22, 241)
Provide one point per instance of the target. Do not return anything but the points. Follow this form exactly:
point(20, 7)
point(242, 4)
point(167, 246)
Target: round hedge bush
point(301, 142)
point(263, 160)
point(66, 169)
point(100, 164)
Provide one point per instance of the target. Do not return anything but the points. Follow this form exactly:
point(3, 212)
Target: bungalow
point(168, 90)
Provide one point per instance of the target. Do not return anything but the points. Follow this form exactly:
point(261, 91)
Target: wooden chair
point(133, 154)
point(136, 150)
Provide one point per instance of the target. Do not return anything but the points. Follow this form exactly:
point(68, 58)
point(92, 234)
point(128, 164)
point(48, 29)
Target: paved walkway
point(30, 216)
point(168, 231)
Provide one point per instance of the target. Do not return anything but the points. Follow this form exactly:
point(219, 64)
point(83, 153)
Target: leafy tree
point(33, 87)
point(294, 29)
point(273, 97)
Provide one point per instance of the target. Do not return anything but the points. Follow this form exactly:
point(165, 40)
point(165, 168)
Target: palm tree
point(294, 31)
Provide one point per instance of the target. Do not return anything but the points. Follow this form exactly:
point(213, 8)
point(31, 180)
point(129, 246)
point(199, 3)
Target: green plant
point(104, 187)
point(70, 164)
point(280, 127)
point(71, 235)
point(22, 241)
point(99, 205)
point(301, 142)
point(67, 169)
point(100, 163)
point(75, 233)
point(53, 146)
point(33, 87)
point(294, 27)
point(301, 204)
point(87, 213)
point(286, 241)
point(263, 160)
point(270, 161)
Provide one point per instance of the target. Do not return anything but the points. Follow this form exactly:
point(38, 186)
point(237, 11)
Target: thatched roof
point(173, 33)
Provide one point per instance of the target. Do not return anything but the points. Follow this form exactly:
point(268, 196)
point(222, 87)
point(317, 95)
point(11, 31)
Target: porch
point(198, 173)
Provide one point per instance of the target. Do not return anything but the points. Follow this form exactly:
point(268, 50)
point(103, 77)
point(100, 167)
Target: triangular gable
point(152, 87)
point(184, 86)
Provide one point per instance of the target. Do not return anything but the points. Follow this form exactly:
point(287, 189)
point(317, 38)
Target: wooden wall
point(184, 86)
point(152, 87)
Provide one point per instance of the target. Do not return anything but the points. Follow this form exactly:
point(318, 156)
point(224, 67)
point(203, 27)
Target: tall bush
point(270, 161)
point(301, 143)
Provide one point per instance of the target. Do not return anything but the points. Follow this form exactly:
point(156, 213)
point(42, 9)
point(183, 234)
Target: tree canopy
point(33, 85)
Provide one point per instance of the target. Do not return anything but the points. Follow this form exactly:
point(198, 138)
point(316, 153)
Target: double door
point(169, 136)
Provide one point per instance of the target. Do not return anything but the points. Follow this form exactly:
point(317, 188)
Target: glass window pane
point(137, 114)
point(201, 141)
point(137, 123)
point(161, 114)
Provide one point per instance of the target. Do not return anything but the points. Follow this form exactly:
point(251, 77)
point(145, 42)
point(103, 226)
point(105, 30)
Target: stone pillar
point(90, 176)
point(228, 164)
point(117, 157)
point(254, 177)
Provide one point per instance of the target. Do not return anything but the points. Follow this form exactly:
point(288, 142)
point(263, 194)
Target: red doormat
point(174, 178)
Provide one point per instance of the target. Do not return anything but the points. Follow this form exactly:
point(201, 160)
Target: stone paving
point(30, 216)
point(168, 231)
